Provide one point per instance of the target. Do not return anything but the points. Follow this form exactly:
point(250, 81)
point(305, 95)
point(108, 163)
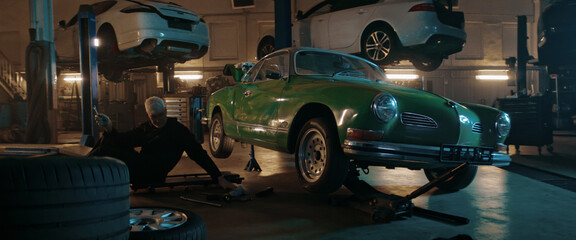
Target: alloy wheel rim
point(312, 156)
point(155, 219)
point(378, 45)
point(267, 49)
point(216, 135)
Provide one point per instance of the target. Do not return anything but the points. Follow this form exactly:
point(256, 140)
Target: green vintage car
point(338, 113)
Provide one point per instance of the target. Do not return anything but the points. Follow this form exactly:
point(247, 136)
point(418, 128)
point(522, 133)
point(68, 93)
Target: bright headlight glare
point(384, 107)
point(503, 124)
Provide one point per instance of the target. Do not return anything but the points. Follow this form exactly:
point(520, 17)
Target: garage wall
point(491, 27)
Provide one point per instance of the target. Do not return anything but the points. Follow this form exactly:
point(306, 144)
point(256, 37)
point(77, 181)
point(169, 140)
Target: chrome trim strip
point(407, 152)
point(252, 125)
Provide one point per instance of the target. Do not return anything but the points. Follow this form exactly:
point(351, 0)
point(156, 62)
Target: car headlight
point(503, 124)
point(384, 107)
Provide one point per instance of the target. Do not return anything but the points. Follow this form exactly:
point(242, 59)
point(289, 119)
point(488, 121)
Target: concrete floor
point(500, 204)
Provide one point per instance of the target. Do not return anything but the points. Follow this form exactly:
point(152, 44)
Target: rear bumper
point(439, 45)
point(418, 156)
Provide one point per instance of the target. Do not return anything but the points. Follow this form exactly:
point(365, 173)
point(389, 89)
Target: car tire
point(161, 223)
point(379, 45)
point(221, 146)
point(107, 53)
point(428, 63)
point(460, 180)
point(108, 48)
point(265, 47)
point(62, 197)
point(112, 74)
point(320, 161)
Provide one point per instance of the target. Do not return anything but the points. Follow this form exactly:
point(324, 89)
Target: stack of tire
point(62, 197)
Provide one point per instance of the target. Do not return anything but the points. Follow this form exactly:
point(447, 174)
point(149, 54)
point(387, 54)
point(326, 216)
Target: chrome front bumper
point(418, 156)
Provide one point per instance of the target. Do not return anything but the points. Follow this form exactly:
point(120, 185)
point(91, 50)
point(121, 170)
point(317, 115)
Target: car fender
point(327, 102)
point(215, 103)
point(486, 114)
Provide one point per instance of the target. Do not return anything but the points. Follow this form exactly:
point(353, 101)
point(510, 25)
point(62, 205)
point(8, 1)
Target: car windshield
point(333, 64)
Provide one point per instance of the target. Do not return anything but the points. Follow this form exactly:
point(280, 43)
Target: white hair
point(154, 104)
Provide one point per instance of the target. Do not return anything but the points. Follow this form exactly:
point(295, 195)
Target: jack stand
point(387, 207)
point(252, 164)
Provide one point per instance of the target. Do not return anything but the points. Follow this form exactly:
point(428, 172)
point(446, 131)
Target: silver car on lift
point(136, 33)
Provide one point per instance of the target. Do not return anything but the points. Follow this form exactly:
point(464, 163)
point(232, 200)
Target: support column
point(523, 56)
point(283, 24)
point(89, 70)
point(41, 93)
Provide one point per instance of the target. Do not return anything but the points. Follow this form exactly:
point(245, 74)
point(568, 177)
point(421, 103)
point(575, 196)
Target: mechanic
point(162, 140)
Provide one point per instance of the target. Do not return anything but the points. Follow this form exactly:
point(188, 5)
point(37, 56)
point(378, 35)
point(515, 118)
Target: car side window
point(345, 4)
point(250, 75)
point(273, 68)
point(319, 9)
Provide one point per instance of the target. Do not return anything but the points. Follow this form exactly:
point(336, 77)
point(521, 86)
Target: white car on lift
point(136, 33)
point(382, 31)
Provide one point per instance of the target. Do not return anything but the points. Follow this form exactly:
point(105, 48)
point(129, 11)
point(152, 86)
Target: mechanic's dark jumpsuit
point(161, 150)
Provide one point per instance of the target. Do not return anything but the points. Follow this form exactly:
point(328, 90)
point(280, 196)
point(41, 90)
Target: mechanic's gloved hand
point(103, 121)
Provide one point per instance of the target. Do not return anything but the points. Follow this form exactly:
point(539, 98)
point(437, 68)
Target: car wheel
point(107, 53)
point(108, 45)
point(62, 197)
point(165, 223)
point(379, 45)
point(221, 146)
point(321, 164)
point(428, 63)
point(265, 47)
point(459, 181)
point(112, 74)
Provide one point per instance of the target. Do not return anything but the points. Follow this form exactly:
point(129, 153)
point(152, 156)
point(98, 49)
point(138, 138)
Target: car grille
point(417, 120)
point(477, 128)
point(180, 24)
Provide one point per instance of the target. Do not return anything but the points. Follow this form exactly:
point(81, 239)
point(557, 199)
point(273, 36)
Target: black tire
point(320, 162)
point(265, 47)
point(161, 223)
point(108, 49)
point(459, 181)
point(64, 198)
point(427, 63)
point(112, 74)
point(379, 45)
point(108, 53)
point(221, 146)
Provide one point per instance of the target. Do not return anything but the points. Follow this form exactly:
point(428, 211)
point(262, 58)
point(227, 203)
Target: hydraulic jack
point(388, 207)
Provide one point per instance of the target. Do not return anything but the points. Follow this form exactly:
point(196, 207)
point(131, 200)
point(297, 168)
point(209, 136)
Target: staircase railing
point(13, 82)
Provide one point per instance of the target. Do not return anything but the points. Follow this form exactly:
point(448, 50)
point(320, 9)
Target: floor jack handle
point(435, 182)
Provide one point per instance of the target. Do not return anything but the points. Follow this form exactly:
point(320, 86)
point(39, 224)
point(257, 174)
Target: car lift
point(388, 207)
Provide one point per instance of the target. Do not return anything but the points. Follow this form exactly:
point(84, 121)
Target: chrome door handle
point(362, 11)
point(247, 93)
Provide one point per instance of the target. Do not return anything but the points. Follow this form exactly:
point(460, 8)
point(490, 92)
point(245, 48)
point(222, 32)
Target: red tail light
point(424, 7)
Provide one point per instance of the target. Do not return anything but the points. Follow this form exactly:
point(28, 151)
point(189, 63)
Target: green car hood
point(425, 118)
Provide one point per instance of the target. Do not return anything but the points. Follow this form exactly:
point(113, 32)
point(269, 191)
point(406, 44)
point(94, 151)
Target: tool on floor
point(238, 194)
point(388, 207)
point(266, 192)
point(215, 204)
point(186, 180)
